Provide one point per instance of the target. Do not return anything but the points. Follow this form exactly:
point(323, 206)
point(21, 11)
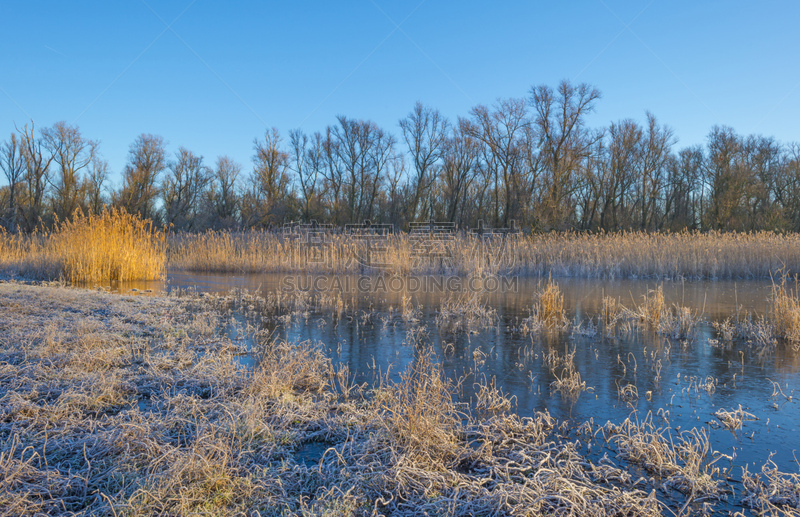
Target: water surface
point(688, 380)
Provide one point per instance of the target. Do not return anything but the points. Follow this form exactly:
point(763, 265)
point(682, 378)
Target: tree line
point(533, 160)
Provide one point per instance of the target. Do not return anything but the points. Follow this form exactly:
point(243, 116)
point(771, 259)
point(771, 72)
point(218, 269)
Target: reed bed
point(134, 405)
point(655, 315)
point(110, 247)
point(690, 255)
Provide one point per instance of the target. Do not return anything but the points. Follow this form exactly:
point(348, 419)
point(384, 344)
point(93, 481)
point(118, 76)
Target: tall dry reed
point(786, 312)
point(112, 246)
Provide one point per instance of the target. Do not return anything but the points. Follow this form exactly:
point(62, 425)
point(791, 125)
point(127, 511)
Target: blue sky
point(212, 76)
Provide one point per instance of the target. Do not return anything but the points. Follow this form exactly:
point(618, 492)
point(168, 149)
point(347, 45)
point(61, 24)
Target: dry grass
point(758, 332)
point(464, 313)
point(547, 312)
point(628, 393)
point(112, 246)
point(690, 255)
point(773, 493)
point(764, 333)
point(421, 416)
point(653, 309)
point(733, 420)
point(653, 315)
point(568, 382)
point(786, 313)
point(490, 399)
point(549, 306)
point(684, 462)
point(122, 405)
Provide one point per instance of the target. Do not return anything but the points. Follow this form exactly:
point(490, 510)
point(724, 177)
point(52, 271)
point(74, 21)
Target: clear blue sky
point(212, 76)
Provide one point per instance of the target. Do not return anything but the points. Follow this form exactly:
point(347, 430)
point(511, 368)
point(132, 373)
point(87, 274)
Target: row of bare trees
point(533, 160)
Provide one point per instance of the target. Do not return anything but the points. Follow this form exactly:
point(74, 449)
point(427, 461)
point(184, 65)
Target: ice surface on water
point(688, 380)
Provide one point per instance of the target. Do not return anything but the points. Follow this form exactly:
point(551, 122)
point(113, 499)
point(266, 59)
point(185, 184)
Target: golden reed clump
point(111, 246)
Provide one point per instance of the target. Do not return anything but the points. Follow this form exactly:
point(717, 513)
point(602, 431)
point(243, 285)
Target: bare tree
point(682, 201)
point(224, 197)
point(395, 211)
point(560, 118)
point(37, 162)
point(362, 152)
point(13, 165)
point(425, 134)
point(351, 137)
point(381, 160)
point(460, 156)
point(762, 158)
point(269, 201)
point(308, 166)
point(623, 156)
point(502, 131)
point(97, 176)
point(147, 160)
point(656, 150)
point(787, 186)
point(71, 154)
point(181, 190)
point(724, 181)
point(591, 195)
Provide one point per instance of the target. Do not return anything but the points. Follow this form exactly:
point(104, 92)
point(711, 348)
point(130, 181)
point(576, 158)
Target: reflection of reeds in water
point(612, 255)
point(112, 246)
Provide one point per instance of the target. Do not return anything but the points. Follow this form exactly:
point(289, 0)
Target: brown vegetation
point(139, 405)
point(690, 255)
point(112, 246)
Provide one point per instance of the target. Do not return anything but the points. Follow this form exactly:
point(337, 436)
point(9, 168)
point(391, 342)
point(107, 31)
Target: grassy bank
point(112, 246)
point(123, 405)
point(690, 255)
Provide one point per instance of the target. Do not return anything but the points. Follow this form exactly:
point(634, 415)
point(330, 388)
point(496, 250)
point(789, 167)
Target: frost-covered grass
point(139, 405)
